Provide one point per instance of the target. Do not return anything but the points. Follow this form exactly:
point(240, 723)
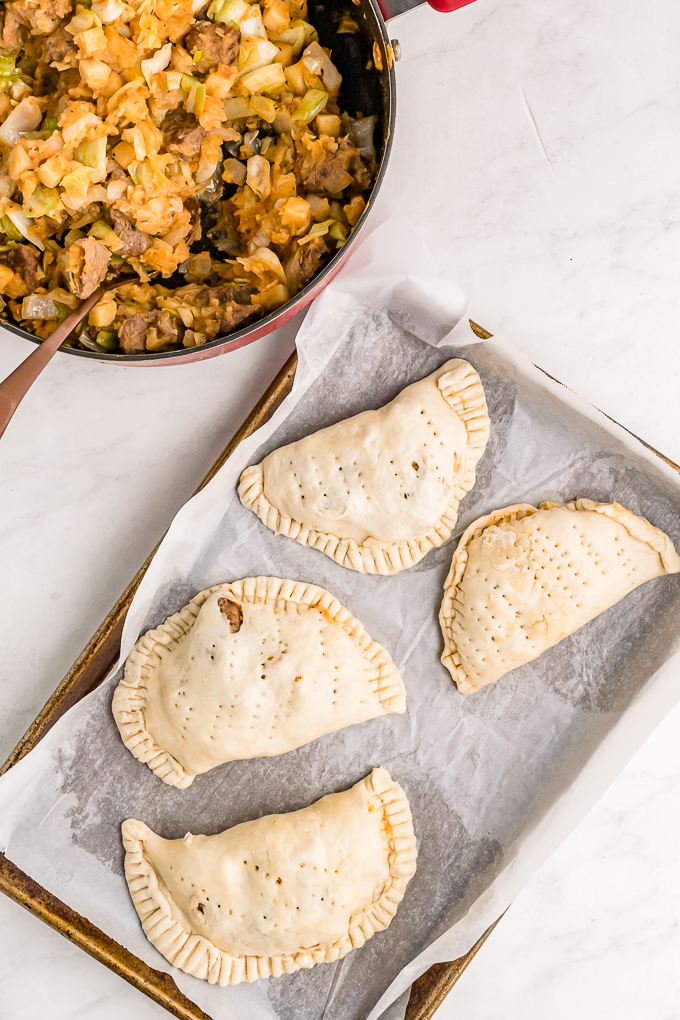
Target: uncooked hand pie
point(278, 894)
point(250, 669)
point(524, 578)
point(378, 491)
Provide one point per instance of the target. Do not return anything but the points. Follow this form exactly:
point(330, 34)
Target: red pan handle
point(448, 5)
point(439, 5)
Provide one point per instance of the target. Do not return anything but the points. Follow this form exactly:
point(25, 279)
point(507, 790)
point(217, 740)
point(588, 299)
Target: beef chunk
point(233, 315)
point(22, 260)
point(307, 261)
point(189, 141)
point(336, 171)
point(239, 293)
point(59, 46)
point(193, 207)
point(84, 265)
point(182, 133)
point(134, 241)
point(217, 43)
point(149, 331)
point(224, 233)
point(11, 34)
point(233, 613)
point(69, 79)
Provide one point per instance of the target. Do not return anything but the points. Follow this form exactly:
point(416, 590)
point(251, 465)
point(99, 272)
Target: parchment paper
point(495, 779)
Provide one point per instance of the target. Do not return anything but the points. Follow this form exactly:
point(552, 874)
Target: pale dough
point(523, 578)
point(376, 492)
point(277, 894)
point(250, 669)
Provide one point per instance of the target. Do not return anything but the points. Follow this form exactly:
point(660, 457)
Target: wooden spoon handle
point(17, 384)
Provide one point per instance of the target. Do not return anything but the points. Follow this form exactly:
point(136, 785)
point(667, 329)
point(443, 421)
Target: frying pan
point(366, 62)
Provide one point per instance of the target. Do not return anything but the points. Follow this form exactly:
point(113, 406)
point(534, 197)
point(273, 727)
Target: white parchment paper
point(496, 779)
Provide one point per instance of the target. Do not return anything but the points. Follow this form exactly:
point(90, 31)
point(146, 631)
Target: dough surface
point(376, 492)
point(278, 894)
point(523, 578)
point(250, 669)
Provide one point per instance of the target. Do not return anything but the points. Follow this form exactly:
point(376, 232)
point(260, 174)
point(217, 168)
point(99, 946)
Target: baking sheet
point(495, 780)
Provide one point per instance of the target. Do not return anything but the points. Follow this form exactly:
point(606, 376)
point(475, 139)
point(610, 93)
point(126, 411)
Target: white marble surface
point(537, 147)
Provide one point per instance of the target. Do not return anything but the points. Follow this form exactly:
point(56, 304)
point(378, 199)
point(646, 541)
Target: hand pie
point(250, 669)
point(524, 578)
point(278, 894)
point(376, 492)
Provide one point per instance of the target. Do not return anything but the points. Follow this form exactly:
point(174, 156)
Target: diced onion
point(315, 60)
point(39, 306)
point(361, 133)
point(64, 297)
point(108, 10)
point(24, 117)
point(258, 175)
point(23, 225)
point(82, 21)
point(269, 258)
point(252, 23)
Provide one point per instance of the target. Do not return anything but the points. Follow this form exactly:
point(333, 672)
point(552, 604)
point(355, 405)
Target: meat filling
point(233, 613)
point(149, 331)
point(84, 265)
point(134, 241)
point(216, 44)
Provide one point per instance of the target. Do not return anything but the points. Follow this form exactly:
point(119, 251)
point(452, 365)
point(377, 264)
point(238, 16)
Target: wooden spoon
point(17, 384)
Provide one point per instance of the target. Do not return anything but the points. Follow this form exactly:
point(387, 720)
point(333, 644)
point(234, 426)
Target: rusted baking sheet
point(88, 671)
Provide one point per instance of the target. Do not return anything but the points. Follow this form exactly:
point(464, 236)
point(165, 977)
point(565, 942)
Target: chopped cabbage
point(24, 117)
point(43, 202)
point(254, 53)
point(108, 10)
point(236, 108)
point(158, 62)
point(93, 154)
point(313, 103)
point(226, 11)
point(264, 78)
point(24, 227)
point(318, 230)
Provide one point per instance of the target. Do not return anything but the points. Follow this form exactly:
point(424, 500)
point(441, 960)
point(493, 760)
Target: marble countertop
point(536, 149)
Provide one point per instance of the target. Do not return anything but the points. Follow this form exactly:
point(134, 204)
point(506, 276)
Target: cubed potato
point(296, 78)
point(328, 124)
point(264, 107)
point(6, 276)
point(103, 313)
point(124, 153)
point(286, 54)
point(52, 171)
point(276, 18)
point(218, 86)
point(296, 216)
point(91, 41)
point(95, 74)
point(18, 161)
